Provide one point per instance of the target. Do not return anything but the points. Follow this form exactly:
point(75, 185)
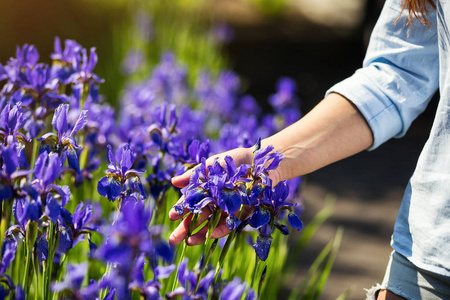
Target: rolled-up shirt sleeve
point(400, 74)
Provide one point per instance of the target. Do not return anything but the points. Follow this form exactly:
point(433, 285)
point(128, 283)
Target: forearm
point(333, 130)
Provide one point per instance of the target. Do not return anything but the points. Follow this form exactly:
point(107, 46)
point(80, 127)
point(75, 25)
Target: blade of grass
point(301, 288)
point(329, 264)
point(310, 230)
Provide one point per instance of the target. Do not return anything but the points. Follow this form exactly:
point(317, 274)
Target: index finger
point(182, 180)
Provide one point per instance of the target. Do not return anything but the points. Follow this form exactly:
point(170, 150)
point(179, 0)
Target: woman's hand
point(240, 156)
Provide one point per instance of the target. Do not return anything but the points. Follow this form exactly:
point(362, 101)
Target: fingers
point(182, 180)
point(173, 214)
point(180, 233)
point(220, 231)
point(199, 237)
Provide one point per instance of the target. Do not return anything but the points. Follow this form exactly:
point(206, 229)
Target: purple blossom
point(26, 58)
point(188, 280)
point(9, 249)
point(133, 62)
point(40, 87)
point(64, 142)
point(127, 238)
point(217, 189)
point(11, 121)
point(223, 33)
point(73, 279)
point(264, 217)
point(13, 158)
point(151, 288)
point(83, 67)
point(234, 290)
point(46, 170)
point(64, 60)
point(112, 184)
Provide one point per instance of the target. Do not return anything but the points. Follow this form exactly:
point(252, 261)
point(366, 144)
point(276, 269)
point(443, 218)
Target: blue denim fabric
point(402, 70)
point(406, 280)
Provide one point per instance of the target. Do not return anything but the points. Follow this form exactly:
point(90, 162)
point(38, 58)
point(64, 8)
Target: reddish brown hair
point(418, 9)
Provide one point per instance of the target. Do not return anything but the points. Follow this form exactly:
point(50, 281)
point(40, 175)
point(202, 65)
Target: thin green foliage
point(317, 275)
point(308, 232)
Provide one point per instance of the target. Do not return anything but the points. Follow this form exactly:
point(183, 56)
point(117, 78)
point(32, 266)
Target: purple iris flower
point(270, 206)
point(40, 87)
point(112, 184)
point(9, 249)
point(64, 142)
point(240, 133)
point(127, 238)
point(133, 62)
point(188, 280)
point(235, 289)
point(216, 189)
point(100, 124)
point(264, 160)
point(11, 121)
point(46, 170)
point(150, 289)
point(73, 279)
point(169, 80)
point(69, 54)
point(275, 200)
point(130, 234)
point(223, 33)
point(285, 103)
point(26, 58)
point(72, 284)
point(11, 157)
point(220, 97)
point(63, 60)
point(163, 131)
point(196, 151)
point(83, 67)
point(285, 96)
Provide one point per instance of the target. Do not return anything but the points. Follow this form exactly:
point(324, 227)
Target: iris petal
point(262, 246)
point(294, 221)
point(109, 187)
point(229, 200)
point(259, 218)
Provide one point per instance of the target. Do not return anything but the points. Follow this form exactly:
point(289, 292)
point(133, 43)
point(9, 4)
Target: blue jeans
point(406, 280)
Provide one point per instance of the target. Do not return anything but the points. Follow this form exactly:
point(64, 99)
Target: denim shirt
point(403, 68)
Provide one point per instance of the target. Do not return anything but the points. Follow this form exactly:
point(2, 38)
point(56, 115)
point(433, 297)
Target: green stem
point(38, 275)
point(30, 239)
point(5, 215)
point(255, 272)
point(26, 277)
point(84, 94)
point(211, 248)
point(223, 254)
point(183, 254)
point(34, 153)
point(105, 290)
point(52, 246)
point(226, 247)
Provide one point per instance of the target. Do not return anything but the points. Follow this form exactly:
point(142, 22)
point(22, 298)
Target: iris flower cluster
point(64, 153)
point(228, 188)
